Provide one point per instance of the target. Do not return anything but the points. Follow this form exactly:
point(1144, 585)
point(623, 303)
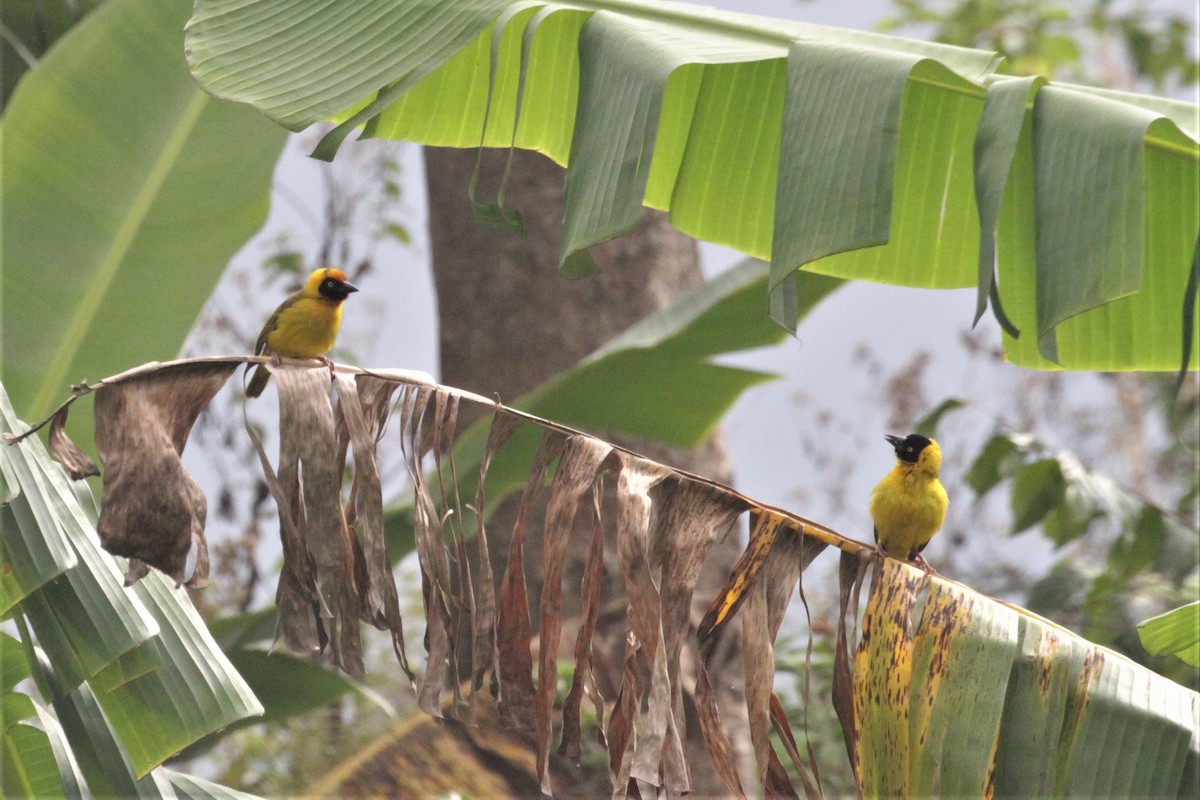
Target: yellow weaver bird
point(305, 325)
point(909, 504)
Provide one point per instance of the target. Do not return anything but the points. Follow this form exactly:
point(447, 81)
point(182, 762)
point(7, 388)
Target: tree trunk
point(509, 321)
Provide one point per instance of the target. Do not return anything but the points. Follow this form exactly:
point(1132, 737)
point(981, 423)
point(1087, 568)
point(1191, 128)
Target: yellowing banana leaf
point(959, 695)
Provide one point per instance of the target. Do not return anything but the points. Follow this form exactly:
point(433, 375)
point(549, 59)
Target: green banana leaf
point(1176, 632)
point(141, 654)
point(845, 153)
point(126, 191)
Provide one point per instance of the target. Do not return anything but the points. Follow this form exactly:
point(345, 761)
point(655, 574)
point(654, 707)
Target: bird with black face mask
point(305, 325)
point(909, 504)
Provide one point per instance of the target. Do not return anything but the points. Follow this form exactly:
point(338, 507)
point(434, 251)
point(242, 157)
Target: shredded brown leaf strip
point(765, 604)
point(850, 572)
point(635, 481)
point(711, 727)
point(363, 406)
point(429, 523)
point(464, 610)
point(367, 493)
point(812, 787)
point(689, 517)
point(484, 651)
point(577, 474)
point(152, 510)
point(777, 604)
point(622, 720)
point(75, 461)
point(312, 482)
point(760, 675)
point(777, 783)
point(764, 528)
point(514, 629)
point(583, 679)
point(809, 771)
point(296, 594)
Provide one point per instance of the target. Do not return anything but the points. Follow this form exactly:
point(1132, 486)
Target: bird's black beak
point(894, 441)
point(348, 287)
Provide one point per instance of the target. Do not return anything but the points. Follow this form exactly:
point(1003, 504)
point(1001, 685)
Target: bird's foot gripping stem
point(920, 561)
point(330, 366)
point(917, 560)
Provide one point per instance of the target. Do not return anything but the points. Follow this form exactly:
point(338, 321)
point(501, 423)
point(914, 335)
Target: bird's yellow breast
point(306, 328)
point(908, 507)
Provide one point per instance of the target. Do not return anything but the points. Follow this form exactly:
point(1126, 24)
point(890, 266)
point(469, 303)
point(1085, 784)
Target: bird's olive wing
point(260, 347)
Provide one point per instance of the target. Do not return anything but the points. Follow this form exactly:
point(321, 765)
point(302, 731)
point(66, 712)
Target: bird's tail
point(259, 381)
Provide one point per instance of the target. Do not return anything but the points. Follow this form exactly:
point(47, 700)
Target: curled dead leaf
point(152, 511)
